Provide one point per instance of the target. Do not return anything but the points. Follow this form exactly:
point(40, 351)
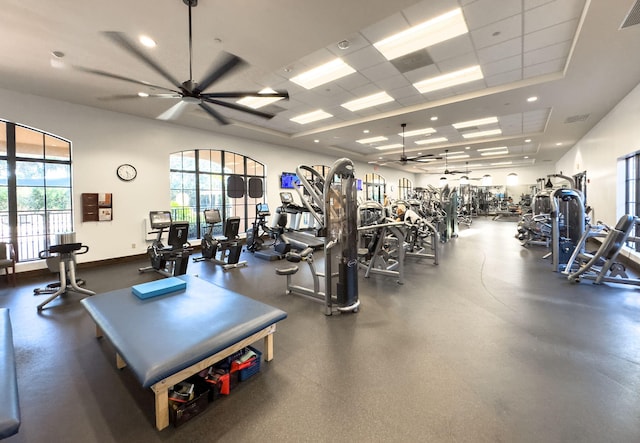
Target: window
point(404, 188)
point(212, 179)
point(374, 187)
point(632, 191)
point(35, 189)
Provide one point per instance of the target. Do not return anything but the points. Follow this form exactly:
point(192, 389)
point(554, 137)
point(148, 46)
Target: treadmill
point(299, 238)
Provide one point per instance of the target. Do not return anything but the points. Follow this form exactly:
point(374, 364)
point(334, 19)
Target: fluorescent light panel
point(506, 151)
point(482, 133)
point(454, 78)
point(415, 132)
point(478, 122)
point(303, 119)
point(423, 35)
point(259, 102)
point(368, 101)
point(322, 74)
point(365, 141)
point(457, 157)
point(392, 146)
point(428, 141)
point(498, 148)
point(500, 163)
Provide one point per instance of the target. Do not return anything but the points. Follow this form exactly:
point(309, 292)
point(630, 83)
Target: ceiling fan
point(189, 91)
point(446, 168)
point(404, 159)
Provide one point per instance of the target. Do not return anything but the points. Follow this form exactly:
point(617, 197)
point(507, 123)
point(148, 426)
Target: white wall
point(598, 152)
point(102, 140)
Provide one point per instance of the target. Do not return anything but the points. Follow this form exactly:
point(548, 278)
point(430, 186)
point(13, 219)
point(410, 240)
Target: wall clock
point(126, 172)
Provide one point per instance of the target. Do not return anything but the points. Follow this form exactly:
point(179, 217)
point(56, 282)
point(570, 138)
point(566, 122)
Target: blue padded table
point(168, 338)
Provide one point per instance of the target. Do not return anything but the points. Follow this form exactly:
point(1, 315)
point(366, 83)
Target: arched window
point(35, 189)
point(213, 179)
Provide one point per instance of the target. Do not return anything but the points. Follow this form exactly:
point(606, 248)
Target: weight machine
point(62, 258)
point(601, 266)
point(336, 195)
point(172, 259)
point(228, 245)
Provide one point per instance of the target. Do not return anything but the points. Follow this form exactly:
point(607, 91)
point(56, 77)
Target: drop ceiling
point(570, 54)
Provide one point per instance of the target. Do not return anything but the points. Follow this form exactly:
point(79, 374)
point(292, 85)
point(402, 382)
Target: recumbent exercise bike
point(172, 259)
point(228, 246)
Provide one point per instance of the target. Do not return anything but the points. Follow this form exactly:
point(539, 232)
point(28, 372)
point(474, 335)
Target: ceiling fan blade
point(213, 113)
point(136, 96)
point(240, 94)
point(125, 43)
point(228, 63)
point(120, 77)
point(238, 107)
point(174, 112)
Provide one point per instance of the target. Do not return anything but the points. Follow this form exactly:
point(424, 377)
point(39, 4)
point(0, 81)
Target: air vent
point(633, 17)
point(577, 118)
point(413, 61)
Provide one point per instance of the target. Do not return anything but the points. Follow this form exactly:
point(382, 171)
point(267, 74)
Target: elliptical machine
point(228, 246)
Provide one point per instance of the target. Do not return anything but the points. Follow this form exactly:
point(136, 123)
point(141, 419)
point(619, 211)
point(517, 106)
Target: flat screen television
point(288, 180)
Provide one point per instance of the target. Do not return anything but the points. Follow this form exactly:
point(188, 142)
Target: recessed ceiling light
point(477, 122)
point(392, 146)
point(365, 141)
point(57, 54)
point(527, 140)
point(526, 156)
point(316, 141)
point(482, 133)
point(532, 99)
point(449, 79)
point(259, 102)
point(498, 148)
point(434, 118)
point(311, 117)
point(429, 141)
point(503, 152)
point(366, 131)
point(368, 101)
point(559, 144)
point(344, 44)
point(467, 147)
point(423, 35)
point(322, 74)
point(147, 41)
point(143, 94)
point(415, 132)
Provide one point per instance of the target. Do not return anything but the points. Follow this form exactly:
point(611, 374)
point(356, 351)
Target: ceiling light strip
point(494, 153)
point(366, 141)
point(392, 146)
point(311, 117)
point(423, 131)
point(368, 101)
point(454, 78)
point(482, 133)
point(478, 122)
point(423, 35)
point(322, 74)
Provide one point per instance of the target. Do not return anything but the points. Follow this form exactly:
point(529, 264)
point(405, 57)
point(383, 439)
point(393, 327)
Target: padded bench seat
point(167, 338)
point(9, 404)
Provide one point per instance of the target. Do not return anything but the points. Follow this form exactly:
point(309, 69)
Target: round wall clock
point(126, 172)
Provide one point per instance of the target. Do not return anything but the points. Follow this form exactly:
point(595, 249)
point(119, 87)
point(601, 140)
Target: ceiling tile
point(497, 32)
point(500, 51)
point(504, 65)
point(504, 78)
point(454, 47)
point(486, 12)
point(380, 71)
point(551, 14)
point(548, 36)
point(542, 55)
